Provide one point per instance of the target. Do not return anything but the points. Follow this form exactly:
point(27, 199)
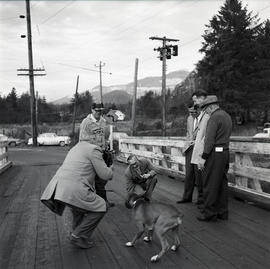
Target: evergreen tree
point(229, 55)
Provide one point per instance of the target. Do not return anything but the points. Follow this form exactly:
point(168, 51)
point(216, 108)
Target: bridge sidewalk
point(33, 237)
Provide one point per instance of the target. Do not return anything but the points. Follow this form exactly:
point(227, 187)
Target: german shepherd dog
point(157, 217)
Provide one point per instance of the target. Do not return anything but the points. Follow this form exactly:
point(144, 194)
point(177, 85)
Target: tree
point(149, 105)
point(229, 49)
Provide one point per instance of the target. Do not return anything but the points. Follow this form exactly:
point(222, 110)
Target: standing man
point(190, 171)
point(193, 175)
point(216, 154)
point(96, 118)
point(196, 159)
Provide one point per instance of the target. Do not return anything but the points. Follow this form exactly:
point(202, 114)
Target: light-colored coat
point(74, 182)
point(199, 141)
point(190, 133)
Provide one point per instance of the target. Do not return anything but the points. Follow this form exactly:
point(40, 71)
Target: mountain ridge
point(122, 93)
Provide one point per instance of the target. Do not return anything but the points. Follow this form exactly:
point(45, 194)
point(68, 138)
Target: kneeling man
point(141, 176)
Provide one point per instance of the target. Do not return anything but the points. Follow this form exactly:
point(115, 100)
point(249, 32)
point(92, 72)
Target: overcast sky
point(72, 36)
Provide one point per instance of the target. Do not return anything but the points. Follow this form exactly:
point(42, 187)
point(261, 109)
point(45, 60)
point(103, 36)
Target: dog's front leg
point(149, 236)
point(137, 236)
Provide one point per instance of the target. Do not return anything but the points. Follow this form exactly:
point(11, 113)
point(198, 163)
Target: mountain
point(144, 85)
point(117, 97)
point(61, 101)
point(122, 93)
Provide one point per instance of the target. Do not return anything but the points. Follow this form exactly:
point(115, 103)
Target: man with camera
point(96, 118)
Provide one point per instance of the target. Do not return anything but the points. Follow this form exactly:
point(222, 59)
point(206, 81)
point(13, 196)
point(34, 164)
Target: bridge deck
point(33, 237)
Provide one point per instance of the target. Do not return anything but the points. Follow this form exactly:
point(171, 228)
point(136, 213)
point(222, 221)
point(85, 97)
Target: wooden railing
point(249, 173)
point(4, 162)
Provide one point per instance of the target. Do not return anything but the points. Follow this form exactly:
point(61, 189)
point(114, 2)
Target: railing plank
point(158, 142)
point(250, 147)
point(257, 173)
point(157, 156)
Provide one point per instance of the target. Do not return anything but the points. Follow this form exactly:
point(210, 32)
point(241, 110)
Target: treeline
point(16, 109)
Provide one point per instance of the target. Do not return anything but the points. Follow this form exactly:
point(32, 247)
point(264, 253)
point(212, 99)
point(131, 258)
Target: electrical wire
point(56, 13)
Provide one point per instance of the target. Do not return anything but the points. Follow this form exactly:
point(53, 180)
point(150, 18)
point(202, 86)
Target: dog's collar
point(135, 202)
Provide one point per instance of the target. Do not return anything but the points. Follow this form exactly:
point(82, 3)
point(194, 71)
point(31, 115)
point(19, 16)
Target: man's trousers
point(84, 223)
point(193, 177)
point(215, 183)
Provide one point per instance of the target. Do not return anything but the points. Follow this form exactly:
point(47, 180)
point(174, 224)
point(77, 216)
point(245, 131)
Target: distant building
point(116, 115)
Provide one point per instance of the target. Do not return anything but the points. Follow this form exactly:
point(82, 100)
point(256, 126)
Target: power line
point(56, 13)
point(83, 68)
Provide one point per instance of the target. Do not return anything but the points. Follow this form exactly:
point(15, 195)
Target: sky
point(70, 38)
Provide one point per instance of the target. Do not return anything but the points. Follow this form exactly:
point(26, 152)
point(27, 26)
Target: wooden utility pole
point(165, 53)
point(100, 79)
point(133, 116)
point(75, 110)
point(36, 104)
point(31, 74)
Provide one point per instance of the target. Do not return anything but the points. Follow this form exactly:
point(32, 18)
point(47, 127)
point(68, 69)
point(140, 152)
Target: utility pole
point(133, 117)
point(100, 79)
point(165, 53)
point(30, 73)
point(36, 104)
point(75, 110)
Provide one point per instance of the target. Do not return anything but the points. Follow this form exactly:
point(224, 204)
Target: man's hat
point(209, 100)
point(98, 106)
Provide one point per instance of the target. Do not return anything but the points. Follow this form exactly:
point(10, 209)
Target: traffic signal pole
point(165, 53)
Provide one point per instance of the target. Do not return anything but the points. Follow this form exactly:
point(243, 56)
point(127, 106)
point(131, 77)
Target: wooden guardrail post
point(243, 160)
point(4, 162)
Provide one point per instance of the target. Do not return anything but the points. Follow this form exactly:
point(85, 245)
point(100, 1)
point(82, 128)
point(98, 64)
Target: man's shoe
point(223, 216)
point(183, 201)
point(80, 242)
point(203, 217)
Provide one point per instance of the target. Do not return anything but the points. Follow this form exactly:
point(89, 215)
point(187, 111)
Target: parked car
point(3, 137)
point(12, 142)
point(51, 139)
point(264, 134)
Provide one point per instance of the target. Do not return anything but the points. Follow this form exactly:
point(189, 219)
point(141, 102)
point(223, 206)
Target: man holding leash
point(96, 118)
point(141, 176)
point(216, 156)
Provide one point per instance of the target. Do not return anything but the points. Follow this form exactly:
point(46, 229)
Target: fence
point(4, 163)
point(249, 173)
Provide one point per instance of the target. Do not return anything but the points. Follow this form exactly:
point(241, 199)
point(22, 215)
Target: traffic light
point(160, 55)
point(175, 50)
point(168, 53)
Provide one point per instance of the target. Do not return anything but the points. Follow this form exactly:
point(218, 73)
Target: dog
point(157, 217)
